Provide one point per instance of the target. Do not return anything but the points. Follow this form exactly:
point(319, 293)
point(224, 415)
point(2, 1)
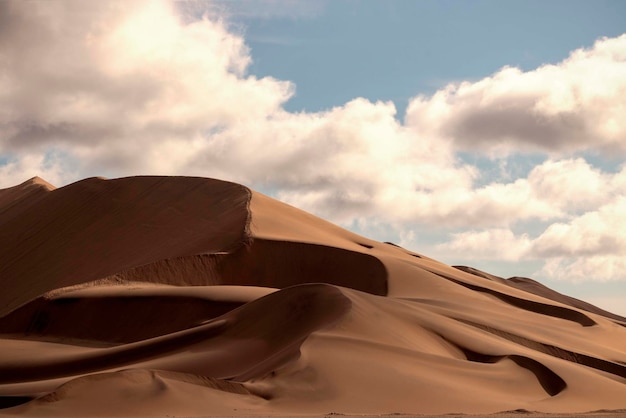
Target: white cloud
point(571, 185)
point(495, 244)
point(600, 232)
point(579, 269)
point(124, 88)
point(588, 247)
point(572, 106)
point(135, 88)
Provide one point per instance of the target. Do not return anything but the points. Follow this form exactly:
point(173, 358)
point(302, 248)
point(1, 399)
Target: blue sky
point(483, 133)
point(393, 50)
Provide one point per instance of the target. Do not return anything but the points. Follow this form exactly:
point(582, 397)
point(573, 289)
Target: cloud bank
point(575, 105)
point(147, 87)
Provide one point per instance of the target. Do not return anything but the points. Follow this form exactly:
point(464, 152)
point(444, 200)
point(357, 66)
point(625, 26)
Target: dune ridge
point(149, 296)
point(267, 263)
point(532, 286)
point(532, 306)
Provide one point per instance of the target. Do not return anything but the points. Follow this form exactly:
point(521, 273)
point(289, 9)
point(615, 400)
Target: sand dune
point(157, 296)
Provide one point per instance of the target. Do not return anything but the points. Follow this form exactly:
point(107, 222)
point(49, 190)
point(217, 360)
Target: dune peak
point(39, 182)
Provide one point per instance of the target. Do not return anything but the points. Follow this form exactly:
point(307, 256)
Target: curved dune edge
point(529, 305)
point(532, 286)
point(274, 325)
point(268, 263)
point(150, 296)
point(112, 315)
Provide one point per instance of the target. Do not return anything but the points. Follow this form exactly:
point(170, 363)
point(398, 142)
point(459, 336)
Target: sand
point(181, 296)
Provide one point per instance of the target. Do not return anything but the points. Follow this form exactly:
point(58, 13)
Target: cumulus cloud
point(588, 247)
point(575, 105)
point(571, 185)
point(155, 87)
point(600, 232)
point(593, 268)
point(496, 244)
point(135, 87)
point(118, 85)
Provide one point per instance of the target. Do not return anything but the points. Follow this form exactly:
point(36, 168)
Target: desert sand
point(180, 296)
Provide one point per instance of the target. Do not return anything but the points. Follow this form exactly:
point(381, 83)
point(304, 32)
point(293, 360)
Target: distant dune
point(181, 296)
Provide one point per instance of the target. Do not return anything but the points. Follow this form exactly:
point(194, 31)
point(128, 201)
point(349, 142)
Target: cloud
point(601, 232)
point(594, 268)
point(495, 244)
point(118, 85)
point(571, 185)
point(137, 88)
point(575, 105)
point(155, 87)
point(588, 247)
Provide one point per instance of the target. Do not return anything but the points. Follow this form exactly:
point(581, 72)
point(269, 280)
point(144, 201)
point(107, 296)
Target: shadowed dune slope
point(15, 200)
point(274, 326)
point(156, 296)
point(269, 263)
point(94, 228)
point(537, 288)
point(111, 319)
point(532, 286)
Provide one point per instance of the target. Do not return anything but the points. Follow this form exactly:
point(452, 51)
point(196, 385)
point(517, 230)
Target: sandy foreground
point(512, 414)
point(180, 296)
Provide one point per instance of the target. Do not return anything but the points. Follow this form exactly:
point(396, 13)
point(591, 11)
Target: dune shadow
point(551, 382)
point(279, 322)
point(119, 319)
point(554, 351)
point(270, 263)
point(530, 305)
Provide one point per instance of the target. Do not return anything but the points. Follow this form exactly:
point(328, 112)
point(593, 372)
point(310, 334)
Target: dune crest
point(149, 296)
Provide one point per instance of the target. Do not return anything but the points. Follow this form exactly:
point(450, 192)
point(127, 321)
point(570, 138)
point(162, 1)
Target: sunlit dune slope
point(149, 296)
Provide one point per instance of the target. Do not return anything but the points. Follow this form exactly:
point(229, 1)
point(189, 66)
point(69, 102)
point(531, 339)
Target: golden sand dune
point(157, 296)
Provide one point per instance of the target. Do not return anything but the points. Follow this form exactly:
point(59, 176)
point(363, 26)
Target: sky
point(482, 133)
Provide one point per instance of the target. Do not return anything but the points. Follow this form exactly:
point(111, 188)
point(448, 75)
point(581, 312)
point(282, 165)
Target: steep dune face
point(168, 295)
point(94, 228)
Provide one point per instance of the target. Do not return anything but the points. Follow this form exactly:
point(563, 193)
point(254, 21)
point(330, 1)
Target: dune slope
point(155, 296)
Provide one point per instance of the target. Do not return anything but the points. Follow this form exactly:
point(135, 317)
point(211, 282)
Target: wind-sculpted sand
point(178, 296)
